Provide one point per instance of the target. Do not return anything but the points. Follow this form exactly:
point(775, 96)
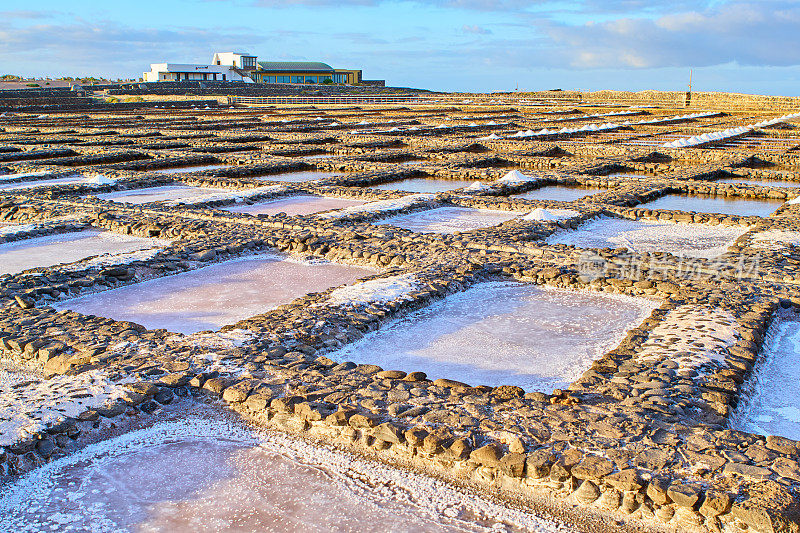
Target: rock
point(488, 455)
point(685, 495)
point(238, 392)
point(416, 376)
point(788, 468)
point(716, 503)
point(783, 445)
point(625, 480)
point(513, 464)
point(362, 420)
point(216, 385)
point(538, 463)
point(587, 493)
point(753, 472)
point(258, 401)
point(450, 383)
point(45, 447)
point(770, 508)
point(593, 467)
point(389, 432)
point(657, 490)
point(391, 374)
point(175, 379)
point(24, 302)
point(416, 436)
point(508, 392)
point(460, 449)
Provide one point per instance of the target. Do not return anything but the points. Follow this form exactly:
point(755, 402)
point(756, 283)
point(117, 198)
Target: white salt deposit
point(550, 215)
point(374, 291)
point(202, 196)
point(29, 404)
point(503, 333)
point(772, 403)
point(515, 177)
point(381, 206)
point(689, 240)
point(450, 219)
point(13, 229)
point(697, 140)
point(173, 193)
point(477, 186)
point(301, 204)
point(63, 248)
point(76, 179)
point(775, 238)
point(692, 336)
point(182, 477)
point(216, 295)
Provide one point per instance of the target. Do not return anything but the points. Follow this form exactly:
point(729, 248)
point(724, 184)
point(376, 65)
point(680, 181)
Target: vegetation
point(32, 85)
point(10, 77)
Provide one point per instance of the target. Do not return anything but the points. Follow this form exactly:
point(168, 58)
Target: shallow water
point(503, 333)
point(183, 477)
point(558, 193)
point(773, 407)
point(298, 177)
point(714, 204)
point(302, 204)
point(65, 248)
point(181, 170)
point(422, 185)
point(216, 295)
point(160, 194)
point(689, 240)
point(449, 219)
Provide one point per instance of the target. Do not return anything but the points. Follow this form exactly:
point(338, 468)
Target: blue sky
point(469, 45)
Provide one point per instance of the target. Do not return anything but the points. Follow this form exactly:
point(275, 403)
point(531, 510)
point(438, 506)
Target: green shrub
point(32, 85)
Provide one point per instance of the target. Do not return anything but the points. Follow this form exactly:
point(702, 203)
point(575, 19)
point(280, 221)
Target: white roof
point(189, 67)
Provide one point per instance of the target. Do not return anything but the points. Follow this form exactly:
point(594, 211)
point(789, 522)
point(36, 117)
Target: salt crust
point(379, 206)
point(379, 290)
point(695, 337)
point(60, 496)
point(30, 406)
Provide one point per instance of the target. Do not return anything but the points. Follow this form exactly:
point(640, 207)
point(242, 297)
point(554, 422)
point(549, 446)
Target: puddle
point(449, 219)
point(181, 170)
point(761, 183)
point(298, 177)
point(773, 405)
point(52, 250)
point(503, 333)
point(216, 295)
point(423, 185)
point(688, 240)
point(182, 476)
point(714, 204)
point(558, 193)
point(160, 194)
point(318, 156)
point(303, 204)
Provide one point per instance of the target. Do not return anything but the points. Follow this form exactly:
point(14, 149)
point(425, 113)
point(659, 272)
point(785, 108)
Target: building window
point(283, 79)
point(248, 62)
point(311, 79)
point(340, 78)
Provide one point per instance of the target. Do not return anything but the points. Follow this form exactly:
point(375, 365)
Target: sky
point(452, 45)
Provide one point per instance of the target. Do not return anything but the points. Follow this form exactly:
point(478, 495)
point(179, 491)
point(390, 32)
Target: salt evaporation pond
point(160, 194)
point(689, 240)
point(726, 205)
point(429, 185)
point(298, 177)
point(504, 333)
point(450, 219)
point(772, 406)
point(66, 180)
point(301, 204)
point(762, 183)
point(216, 295)
point(558, 193)
point(181, 170)
point(183, 476)
point(67, 247)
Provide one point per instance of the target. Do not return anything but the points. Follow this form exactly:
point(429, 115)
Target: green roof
point(301, 66)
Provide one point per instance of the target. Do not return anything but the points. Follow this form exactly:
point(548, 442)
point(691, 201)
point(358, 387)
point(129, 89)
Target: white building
point(226, 66)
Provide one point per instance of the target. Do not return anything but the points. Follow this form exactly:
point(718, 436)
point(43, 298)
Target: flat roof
point(283, 66)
